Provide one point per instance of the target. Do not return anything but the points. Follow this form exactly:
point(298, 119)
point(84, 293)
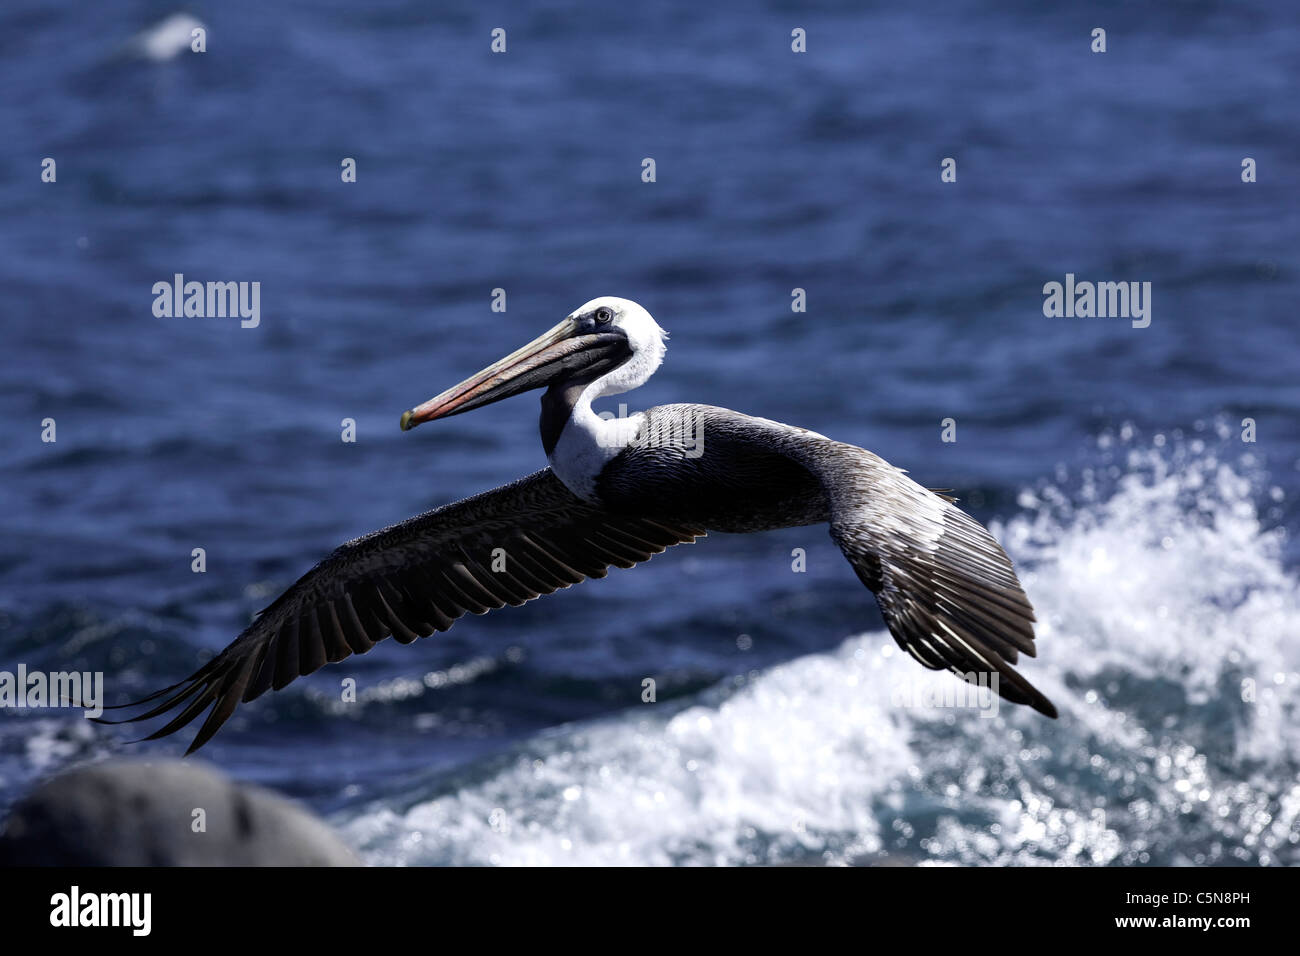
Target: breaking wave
point(1168, 642)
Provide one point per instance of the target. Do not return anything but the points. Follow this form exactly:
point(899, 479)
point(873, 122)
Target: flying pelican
point(619, 490)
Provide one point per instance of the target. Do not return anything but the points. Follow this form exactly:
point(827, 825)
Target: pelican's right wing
point(945, 587)
point(505, 546)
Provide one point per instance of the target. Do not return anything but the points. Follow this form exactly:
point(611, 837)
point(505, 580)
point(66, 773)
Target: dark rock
point(143, 813)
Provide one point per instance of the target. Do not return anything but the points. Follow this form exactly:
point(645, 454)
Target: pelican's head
point(610, 343)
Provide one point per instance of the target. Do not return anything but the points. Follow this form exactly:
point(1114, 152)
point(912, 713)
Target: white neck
point(589, 442)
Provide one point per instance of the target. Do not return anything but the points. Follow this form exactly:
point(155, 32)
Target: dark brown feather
point(412, 580)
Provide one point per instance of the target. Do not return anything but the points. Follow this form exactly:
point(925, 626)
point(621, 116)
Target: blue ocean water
point(1158, 547)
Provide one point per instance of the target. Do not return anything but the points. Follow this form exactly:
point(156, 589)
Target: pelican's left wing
point(505, 546)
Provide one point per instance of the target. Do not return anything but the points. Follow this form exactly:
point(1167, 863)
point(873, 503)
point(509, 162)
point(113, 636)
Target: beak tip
point(407, 425)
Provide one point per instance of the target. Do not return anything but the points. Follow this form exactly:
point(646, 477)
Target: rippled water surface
point(1152, 540)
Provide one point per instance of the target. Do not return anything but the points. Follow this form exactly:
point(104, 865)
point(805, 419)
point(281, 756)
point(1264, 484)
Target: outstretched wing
point(505, 546)
point(945, 587)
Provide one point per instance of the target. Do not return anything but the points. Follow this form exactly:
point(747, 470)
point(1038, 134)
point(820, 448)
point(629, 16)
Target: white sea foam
point(1163, 603)
point(167, 38)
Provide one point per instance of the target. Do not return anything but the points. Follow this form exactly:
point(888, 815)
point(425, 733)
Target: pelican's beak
point(565, 352)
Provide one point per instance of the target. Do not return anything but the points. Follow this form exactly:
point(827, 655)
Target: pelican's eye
point(603, 315)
